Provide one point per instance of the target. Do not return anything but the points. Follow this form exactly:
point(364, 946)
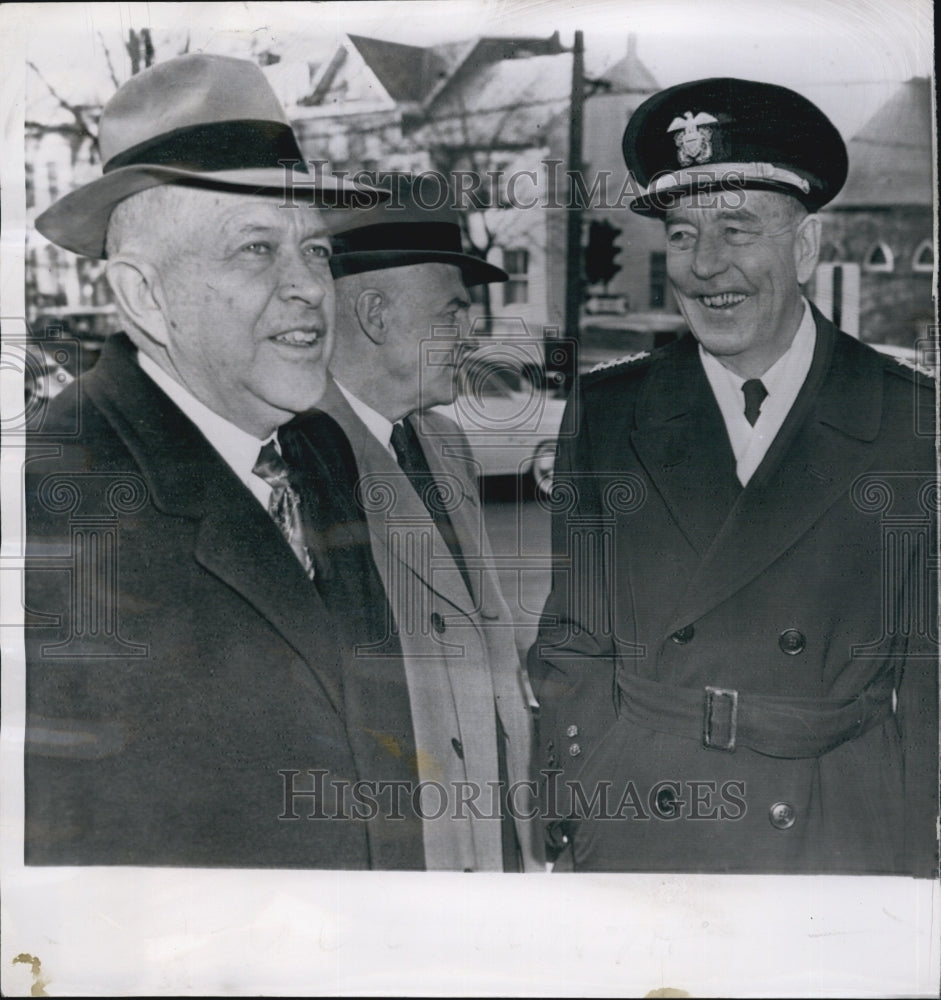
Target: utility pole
point(573, 249)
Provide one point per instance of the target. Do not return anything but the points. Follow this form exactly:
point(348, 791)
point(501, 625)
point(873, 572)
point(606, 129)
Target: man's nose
point(710, 255)
point(303, 277)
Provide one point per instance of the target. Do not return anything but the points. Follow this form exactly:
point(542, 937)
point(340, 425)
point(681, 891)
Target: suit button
point(792, 642)
point(437, 622)
point(683, 635)
point(574, 750)
point(458, 747)
point(666, 801)
point(782, 815)
point(571, 731)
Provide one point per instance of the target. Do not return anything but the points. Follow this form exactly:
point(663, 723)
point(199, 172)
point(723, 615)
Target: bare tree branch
point(111, 72)
point(82, 124)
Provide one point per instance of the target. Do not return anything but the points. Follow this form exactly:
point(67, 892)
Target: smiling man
point(402, 283)
point(188, 697)
point(738, 663)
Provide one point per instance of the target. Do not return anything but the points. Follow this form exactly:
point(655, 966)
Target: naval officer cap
point(728, 134)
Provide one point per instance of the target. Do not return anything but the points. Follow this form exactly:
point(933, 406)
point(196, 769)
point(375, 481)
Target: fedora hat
point(412, 227)
point(201, 121)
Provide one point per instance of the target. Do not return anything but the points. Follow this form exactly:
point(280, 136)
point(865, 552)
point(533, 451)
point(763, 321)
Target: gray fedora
point(201, 121)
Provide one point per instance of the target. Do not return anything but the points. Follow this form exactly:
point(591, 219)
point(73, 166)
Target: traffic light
point(600, 267)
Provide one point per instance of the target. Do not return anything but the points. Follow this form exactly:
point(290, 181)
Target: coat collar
point(680, 438)
point(237, 541)
point(823, 446)
point(382, 480)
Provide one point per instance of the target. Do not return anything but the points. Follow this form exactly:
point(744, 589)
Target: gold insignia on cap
point(693, 137)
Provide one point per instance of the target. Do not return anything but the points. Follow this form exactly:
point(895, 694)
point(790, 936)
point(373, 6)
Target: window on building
point(658, 280)
point(923, 257)
point(516, 265)
point(878, 258)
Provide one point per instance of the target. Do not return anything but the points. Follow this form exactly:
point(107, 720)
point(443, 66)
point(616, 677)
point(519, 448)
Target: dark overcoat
point(178, 658)
point(744, 679)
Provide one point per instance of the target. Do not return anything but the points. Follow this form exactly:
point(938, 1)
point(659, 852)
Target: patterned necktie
point(412, 461)
point(286, 509)
point(755, 393)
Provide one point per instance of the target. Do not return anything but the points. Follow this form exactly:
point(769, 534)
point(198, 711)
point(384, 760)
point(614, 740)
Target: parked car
point(510, 410)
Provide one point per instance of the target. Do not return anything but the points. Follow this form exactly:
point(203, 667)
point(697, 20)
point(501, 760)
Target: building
point(487, 119)
point(878, 251)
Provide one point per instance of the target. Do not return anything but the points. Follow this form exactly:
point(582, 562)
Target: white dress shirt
point(238, 448)
point(783, 381)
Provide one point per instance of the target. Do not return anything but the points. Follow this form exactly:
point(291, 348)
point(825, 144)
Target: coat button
point(437, 622)
point(458, 747)
point(574, 750)
point(571, 731)
point(792, 641)
point(782, 815)
point(666, 801)
point(683, 635)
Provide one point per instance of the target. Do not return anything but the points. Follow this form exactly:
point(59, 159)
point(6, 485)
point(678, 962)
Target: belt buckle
point(709, 741)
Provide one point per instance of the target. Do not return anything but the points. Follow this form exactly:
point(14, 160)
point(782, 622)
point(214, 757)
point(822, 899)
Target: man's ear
point(370, 310)
point(807, 247)
point(136, 286)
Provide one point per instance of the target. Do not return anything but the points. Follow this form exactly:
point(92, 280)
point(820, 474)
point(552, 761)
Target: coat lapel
point(380, 477)
point(237, 541)
point(825, 443)
point(682, 442)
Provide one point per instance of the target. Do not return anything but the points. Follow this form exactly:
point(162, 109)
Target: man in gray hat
point(738, 664)
point(402, 332)
point(187, 701)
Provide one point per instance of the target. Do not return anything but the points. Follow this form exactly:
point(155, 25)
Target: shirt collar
point(379, 426)
point(237, 447)
point(792, 366)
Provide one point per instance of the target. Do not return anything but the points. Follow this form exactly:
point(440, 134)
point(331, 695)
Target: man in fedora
point(189, 625)
point(741, 674)
point(402, 328)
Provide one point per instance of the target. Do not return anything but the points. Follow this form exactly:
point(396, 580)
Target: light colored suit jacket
point(461, 658)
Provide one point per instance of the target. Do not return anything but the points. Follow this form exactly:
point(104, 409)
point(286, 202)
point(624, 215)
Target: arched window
point(923, 257)
point(878, 258)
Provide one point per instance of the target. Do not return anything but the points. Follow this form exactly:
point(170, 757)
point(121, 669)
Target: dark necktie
point(376, 706)
point(755, 393)
point(287, 511)
point(412, 461)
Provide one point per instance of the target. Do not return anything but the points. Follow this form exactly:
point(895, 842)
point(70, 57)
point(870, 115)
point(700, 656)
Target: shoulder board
point(906, 367)
point(618, 364)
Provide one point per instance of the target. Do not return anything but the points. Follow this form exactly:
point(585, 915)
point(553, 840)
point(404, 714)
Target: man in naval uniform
point(737, 663)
